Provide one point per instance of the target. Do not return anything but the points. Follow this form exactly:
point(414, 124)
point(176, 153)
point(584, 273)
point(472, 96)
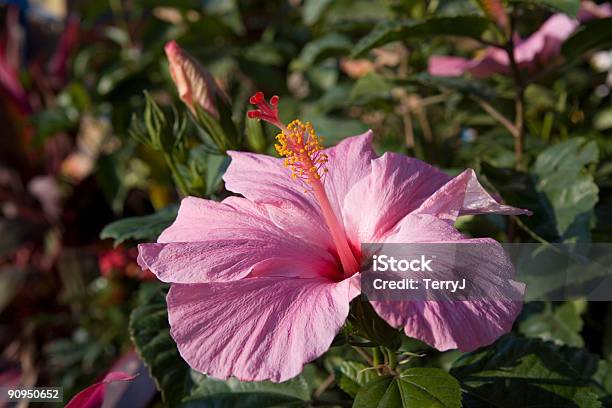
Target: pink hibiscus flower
point(261, 284)
point(538, 51)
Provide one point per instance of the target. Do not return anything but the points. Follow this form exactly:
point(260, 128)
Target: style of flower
point(540, 50)
point(261, 284)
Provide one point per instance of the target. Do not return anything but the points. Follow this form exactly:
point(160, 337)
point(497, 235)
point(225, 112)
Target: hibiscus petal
point(204, 220)
point(538, 49)
point(546, 42)
point(229, 259)
point(442, 65)
point(397, 185)
point(445, 325)
point(265, 179)
point(348, 162)
point(257, 328)
point(211, 241)
point(463, 195)
point(442, 322)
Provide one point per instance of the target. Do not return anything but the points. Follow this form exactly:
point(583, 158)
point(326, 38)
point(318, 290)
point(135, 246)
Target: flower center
point(301, 148)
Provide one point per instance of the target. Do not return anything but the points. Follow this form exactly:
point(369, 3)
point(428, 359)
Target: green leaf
point(352, 375)
point(245, 399)
point(461, 85)
point(388, 31)
point(329, 45)
point(206, 386)
point(422, 387)
point(517, 371)
point(569, 7)
point(567, 186)
point(595, 34)
point(603, 119)
point(559, 189)
point(210, 392)
point(379, 393)
point(603, 379)
point(561, 324)
point(368, 324)
point(150, 332)
point(429, 387)
point(145, 228)
point(51, 121)
point(370, 87)
point(313, 9)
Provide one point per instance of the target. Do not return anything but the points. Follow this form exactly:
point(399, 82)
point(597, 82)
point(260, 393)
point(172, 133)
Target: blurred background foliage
point(77, 155)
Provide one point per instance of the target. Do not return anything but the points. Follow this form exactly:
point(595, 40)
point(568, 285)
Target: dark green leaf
point(329, 45)
point(388, 31)
point(150, 332)
point(595, 34)
point(516, 371)
point(461, 85)
point(51, 121)
point(368, 324)
point(245, 399)
point(145, 228)
point(206, 387)
point(569, 7)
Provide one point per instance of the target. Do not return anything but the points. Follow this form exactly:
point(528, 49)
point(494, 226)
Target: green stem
point(519, 102)
point(392, 359)
point(376, 357)
point(178, 177)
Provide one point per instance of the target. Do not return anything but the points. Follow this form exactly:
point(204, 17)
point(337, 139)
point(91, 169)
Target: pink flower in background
point(122, 261)
point(538, 51)
point(261, 284)
point(194, 84)
point(93, 396)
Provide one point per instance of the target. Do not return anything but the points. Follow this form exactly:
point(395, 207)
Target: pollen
point(301, 148)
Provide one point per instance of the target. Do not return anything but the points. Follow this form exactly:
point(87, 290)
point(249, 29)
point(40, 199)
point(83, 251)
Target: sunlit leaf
point(422, 387)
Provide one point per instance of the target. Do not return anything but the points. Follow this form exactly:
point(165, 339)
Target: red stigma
point(267, 111)
point(254, 114)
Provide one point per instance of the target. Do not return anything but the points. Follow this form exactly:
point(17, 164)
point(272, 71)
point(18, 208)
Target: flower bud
point(195, 85)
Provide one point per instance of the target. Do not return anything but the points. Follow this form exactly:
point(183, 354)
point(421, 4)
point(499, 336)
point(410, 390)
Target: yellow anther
point(301, 148)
